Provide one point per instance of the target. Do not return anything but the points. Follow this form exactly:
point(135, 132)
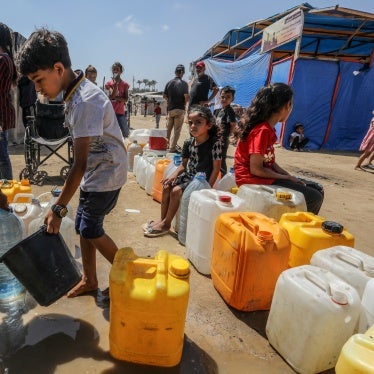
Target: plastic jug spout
point(338, 294)
point(265, 236)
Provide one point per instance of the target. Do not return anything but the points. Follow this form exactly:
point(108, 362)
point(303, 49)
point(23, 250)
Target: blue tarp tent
point(332, 74)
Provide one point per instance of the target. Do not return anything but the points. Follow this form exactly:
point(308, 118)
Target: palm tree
point(146, 83)
point(139, 82)
point(152, 83)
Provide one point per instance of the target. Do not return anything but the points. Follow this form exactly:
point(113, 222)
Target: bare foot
point(81, 288)
point(359, 168)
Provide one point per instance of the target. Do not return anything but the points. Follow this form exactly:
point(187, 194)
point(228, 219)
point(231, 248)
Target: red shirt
point(157, 110)
point(123, 87)
point(261, 141)
point(7, 111)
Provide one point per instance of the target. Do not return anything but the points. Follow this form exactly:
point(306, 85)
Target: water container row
point(316, 308)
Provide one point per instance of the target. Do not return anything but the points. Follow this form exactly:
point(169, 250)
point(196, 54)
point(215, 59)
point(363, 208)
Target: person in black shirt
point(201, 87)
point(226, 120)
point(176, 94)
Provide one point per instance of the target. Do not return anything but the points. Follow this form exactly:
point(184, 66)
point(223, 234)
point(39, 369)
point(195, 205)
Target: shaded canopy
point(333, 32)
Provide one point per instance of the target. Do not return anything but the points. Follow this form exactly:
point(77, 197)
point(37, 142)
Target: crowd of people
point(98, 124)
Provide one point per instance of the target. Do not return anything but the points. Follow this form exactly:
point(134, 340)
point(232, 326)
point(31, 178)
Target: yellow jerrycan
point(309, 233)
point(148, 306)
point(357, 354)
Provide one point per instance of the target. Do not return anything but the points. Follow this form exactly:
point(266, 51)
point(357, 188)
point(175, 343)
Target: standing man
point(118, 95)
point(176, 94)
point(201, 86)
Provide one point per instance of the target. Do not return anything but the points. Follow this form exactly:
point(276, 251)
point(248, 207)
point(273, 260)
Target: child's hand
point(53, 222)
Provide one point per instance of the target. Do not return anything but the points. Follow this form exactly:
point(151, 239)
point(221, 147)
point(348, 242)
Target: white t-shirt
point(89, 113)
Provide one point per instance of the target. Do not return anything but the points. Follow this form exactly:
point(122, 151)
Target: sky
point(149, 38)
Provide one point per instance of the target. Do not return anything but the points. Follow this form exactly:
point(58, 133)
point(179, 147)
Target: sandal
point(152, 233)
point(148, 225)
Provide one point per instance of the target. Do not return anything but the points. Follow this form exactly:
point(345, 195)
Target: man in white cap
point(176, 94)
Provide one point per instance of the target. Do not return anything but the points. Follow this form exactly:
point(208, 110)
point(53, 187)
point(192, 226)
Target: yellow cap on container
point(180, 268)
point(234, 190)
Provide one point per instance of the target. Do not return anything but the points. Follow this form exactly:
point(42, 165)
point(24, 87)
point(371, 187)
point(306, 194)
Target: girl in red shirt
point(255, 158)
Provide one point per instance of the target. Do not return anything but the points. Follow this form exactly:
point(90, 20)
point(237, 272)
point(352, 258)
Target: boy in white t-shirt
point(100, 159)
point(297, 139)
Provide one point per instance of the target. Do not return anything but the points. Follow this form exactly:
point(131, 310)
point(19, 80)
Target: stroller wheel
point(64, 172)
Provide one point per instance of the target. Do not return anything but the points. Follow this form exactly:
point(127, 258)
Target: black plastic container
point(44, 265)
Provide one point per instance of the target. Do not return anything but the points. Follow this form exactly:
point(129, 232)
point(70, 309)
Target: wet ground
point(72, 335)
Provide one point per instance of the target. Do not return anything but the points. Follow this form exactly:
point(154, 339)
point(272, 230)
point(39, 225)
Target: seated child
point(200, 153)
point(297, 139)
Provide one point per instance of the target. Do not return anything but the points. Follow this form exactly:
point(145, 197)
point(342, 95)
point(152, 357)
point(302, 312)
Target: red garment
point(261, 141)
point(7, 111)
point(157, 110)
point(123, 87)
point(368, 141)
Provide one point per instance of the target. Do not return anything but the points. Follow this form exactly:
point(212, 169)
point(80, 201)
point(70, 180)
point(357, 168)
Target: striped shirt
point(7, 111)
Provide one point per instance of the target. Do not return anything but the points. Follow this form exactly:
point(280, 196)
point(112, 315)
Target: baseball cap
point(200, 64)
point(179, 68)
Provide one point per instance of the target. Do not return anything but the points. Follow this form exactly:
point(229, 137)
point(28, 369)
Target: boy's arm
point(71, 184)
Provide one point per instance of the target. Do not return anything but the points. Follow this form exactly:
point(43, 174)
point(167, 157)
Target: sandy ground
point(71, 336)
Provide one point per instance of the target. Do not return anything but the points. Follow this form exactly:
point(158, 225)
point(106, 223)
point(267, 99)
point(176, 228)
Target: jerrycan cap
point(56, 191)
point(180, 268)
point(338, 295)
point(283, 195)
point(20, 208)
point(224, 199)
point(25, 182)
point(332, 227)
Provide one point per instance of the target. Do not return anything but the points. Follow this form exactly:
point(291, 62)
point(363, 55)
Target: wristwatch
point(60, 210)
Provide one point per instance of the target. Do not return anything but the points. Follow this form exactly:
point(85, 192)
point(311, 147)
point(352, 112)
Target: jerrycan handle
point(44, 195)
point(334, 291)
point(21, 195)
point(161, 275)
point(351, 259)
point(267, 189)
point(249, 224)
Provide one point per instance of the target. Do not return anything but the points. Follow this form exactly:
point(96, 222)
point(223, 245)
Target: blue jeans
point(5, 165)
point(122, 121)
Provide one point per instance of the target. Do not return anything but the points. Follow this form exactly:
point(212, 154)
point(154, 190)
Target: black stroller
point(45, 131)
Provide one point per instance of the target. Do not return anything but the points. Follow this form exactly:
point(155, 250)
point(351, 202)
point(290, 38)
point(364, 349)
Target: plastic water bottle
point(133, 150)
point(173, 166)
point(11, 232)
point(227, 182)
point(198, 183)
point(47, 199)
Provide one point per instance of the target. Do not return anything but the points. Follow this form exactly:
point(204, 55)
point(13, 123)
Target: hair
point(268, 100)
point(6, 43)
point(42, 50)
point(297, 125)
point(206, 113)
point(90, 69)
point(228, 89)
point(118, 65)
